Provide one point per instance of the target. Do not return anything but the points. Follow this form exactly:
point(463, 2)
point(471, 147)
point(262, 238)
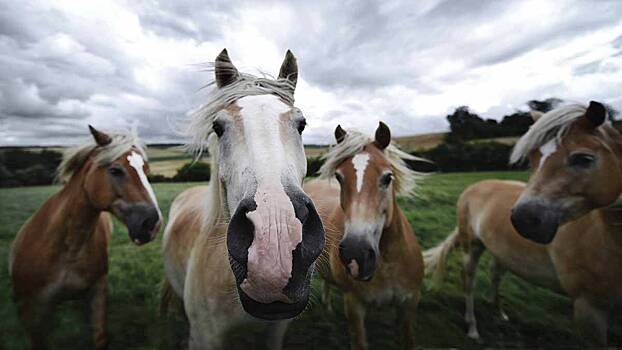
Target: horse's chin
point(297, 291)
point(272, 311)
point(141, 238)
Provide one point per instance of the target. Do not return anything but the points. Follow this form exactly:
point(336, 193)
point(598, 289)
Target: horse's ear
point(596, 113)
point(225, 71)
point(289, 68)
point(535, 115)
point(383, 136)
point(340, 134)
point(101, 138)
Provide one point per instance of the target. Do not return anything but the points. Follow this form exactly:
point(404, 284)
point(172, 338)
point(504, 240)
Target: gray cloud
point(409, 65)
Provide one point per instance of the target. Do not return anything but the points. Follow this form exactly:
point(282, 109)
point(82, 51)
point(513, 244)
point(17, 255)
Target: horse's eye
point(386, 179)
point(581, 160)
point(116, 171)
point(218, 128)
point(301, 126)
point(339, 177)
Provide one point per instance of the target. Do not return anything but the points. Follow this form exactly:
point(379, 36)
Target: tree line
point(20, 167)
point(469, 145)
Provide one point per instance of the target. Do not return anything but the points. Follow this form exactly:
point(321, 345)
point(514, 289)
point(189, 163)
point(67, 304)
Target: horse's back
point(184, 224)
point(484, 211)
point(325, 196)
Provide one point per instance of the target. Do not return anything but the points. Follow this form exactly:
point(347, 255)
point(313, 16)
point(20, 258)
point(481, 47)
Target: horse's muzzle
point(143, 222)
point(358, 256)
point(291, 299)
point(536, 220)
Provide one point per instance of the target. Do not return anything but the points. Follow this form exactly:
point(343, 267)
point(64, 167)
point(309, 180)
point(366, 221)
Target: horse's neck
point(393, 235)
point(77, 217)
point(615, 142)
point(612, 215)
point(612, 221)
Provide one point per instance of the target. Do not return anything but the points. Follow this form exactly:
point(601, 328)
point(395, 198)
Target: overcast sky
point(64, 64)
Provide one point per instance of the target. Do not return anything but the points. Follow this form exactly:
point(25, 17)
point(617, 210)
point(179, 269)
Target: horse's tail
point(167, 297)
point(435, 259)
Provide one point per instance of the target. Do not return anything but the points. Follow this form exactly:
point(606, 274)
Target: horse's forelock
point(354, 142)
point(75, 157)
point(551, 125)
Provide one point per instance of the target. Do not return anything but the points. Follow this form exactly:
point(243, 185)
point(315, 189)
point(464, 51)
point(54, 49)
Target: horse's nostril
point(151, 219)
point(304, 214)
point(371, 255)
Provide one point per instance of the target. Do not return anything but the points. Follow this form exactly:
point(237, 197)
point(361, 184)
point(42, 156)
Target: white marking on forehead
point(360, 164)
point(546, 150)
point(137, 162)
point(261, 120)
point(277, 229)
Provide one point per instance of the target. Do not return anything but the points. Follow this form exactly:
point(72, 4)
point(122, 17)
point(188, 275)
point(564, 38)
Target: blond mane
point(354, 142)
point(551, 125)
point(75, 157)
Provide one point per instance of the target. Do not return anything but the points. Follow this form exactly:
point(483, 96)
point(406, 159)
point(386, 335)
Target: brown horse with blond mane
point(568, 204)
point(371, 253)
point(61, 252)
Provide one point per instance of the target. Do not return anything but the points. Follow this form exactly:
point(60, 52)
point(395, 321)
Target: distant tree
point(465, 125)
point(480, 156)
point(545, 105)
point(515, 124)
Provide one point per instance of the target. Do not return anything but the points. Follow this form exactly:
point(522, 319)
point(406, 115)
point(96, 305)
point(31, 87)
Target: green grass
point(538, 318)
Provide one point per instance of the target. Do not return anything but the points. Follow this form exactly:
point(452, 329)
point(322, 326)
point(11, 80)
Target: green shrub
point(193, 171)
point(481, 156)
point(20, 167)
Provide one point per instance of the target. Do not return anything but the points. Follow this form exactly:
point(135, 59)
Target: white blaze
point(360, 164)
point(277, 229)
point(137, 162)
point(546, 150)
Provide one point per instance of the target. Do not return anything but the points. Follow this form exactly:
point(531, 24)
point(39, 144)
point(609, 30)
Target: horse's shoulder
point(190, 197)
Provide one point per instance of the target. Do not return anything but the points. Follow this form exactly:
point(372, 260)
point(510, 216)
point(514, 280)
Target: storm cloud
point(112, 64)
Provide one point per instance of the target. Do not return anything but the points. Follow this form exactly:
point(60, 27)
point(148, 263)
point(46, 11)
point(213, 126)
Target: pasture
point(538, 318)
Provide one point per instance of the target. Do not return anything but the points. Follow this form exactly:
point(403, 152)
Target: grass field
point(538, 318)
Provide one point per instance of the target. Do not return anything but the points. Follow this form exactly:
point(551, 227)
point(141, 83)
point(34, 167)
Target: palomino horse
point(576, 176)
point(371, 253)
point(61, 252)
point(247, 241)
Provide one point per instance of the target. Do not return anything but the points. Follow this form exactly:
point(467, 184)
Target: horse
point(242, 249)
point(568, 204)
point(61, 252)
point(371, 254)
